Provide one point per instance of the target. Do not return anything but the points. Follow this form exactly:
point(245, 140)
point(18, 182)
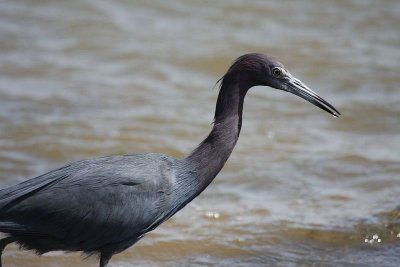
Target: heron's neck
point(210, 156)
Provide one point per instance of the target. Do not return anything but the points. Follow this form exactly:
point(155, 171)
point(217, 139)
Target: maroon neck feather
point(210, 156)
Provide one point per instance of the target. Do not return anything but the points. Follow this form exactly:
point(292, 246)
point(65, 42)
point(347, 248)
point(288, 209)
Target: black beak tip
point(336, 113)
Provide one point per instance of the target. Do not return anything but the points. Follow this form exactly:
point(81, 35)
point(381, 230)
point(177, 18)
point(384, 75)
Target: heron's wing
point(25, 189)
point(99, 200)
point(16, 228)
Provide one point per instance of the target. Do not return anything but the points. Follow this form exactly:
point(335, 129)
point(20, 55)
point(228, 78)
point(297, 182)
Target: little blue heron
point(105, 205)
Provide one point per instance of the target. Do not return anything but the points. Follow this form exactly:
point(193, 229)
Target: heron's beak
point(298, 88)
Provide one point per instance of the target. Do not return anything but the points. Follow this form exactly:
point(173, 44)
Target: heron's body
point(98, 205)
point(105, 205)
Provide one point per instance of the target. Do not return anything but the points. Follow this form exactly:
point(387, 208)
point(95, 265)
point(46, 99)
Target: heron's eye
point(276, 72)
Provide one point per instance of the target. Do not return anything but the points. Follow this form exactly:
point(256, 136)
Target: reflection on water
point(86, 78)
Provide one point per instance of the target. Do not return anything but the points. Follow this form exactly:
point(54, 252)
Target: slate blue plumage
point(105, 205)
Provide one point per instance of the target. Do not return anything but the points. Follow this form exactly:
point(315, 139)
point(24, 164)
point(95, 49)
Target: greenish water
point(80, 79)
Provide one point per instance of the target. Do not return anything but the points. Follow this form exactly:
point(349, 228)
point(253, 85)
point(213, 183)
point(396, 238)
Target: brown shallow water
point(81, 79)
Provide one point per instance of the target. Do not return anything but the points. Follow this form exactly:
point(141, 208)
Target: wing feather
point(91, 202)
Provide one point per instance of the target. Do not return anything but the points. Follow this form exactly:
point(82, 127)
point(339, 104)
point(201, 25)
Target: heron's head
point(259, 69)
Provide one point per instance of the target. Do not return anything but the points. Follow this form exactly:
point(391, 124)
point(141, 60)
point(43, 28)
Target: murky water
point(81, 79)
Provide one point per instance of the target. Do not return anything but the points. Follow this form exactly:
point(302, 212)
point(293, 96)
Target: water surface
point(81, 79)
